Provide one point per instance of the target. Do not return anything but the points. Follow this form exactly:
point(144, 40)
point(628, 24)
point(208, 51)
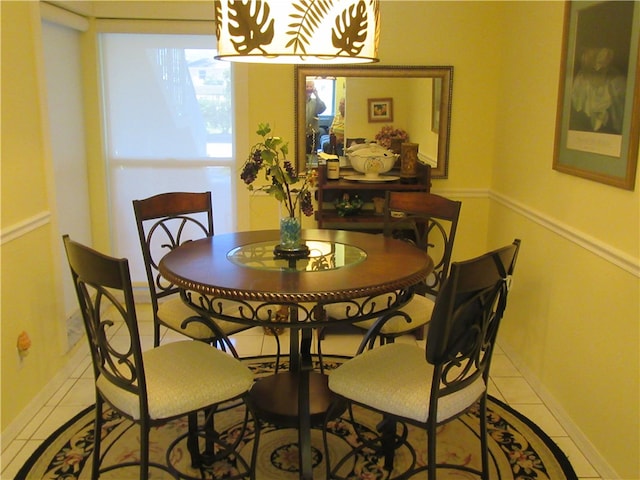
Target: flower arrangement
point(270, 155)
point(388, 133)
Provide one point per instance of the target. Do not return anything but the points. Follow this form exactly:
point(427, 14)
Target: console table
point(367, 219)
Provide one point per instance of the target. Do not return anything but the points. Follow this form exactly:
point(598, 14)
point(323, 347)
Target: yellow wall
point(29, 292)
point(572, 320)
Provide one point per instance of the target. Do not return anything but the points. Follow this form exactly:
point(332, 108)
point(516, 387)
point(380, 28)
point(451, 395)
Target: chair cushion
point(182, 377)
point(419, 310)
point(174, 311)
point(396, 379)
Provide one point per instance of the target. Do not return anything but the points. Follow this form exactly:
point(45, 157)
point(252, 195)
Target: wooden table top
point(204, 266)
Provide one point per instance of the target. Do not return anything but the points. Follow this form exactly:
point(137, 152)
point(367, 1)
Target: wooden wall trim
point(20, 229)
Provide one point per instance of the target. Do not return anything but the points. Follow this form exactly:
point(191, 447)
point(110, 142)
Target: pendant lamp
point(298, 31)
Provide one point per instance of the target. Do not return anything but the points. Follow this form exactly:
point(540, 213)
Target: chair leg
point(419, 333)
point(320, 357)
point(484, 453)
point(97, 438)
point(144, 449)
point(209, 435)
point(156, 333)
point(256, 441)
point(431, 450)
point(278, 352)
point(192, 440)
point(388, 430)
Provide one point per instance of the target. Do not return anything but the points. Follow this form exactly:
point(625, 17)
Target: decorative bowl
point(372, 161)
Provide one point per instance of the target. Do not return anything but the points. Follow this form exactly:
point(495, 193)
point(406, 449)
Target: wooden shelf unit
point(327, 192)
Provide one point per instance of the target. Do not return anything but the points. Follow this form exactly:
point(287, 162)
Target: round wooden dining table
point(371, 273)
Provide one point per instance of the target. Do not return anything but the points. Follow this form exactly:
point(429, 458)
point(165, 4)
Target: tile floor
point(77, 392)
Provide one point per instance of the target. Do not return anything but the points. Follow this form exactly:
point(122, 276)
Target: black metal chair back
point(173, 387)
point(462, 336)
point(99, 281)
point(166, 221)
point(429, 221)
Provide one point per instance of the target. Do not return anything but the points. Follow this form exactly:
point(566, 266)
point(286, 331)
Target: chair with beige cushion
point(444, 381)
point(430, 222)
point(152, 387)
point(164, 222)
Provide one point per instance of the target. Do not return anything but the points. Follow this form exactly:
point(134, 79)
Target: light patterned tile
point(82, 394)
point(541, 416)
point(516, 390)
point(270, 346)
point(579, 462)
point(340, 344)
point(35, 423)
point(247, 345)
point(494, 392)
point(11, 451)
point(62, 391)
point(58, 417)
point(10, 470)
point(83, 366)
point(501, 366)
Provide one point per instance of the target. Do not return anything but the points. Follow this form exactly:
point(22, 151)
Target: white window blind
point(169, 127)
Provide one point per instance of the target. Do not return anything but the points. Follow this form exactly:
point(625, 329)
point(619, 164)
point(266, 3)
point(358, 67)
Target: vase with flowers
point(283, 183)
point(392, 138)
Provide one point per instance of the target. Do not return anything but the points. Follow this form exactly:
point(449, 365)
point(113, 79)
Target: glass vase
point(291, 244)
point(290, 227)
point(290, 232)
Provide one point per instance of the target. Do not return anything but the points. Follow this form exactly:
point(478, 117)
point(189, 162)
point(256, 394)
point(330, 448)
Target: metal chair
point(152, 387)
point(444, 381)
point(164, 222)
point(430, 222)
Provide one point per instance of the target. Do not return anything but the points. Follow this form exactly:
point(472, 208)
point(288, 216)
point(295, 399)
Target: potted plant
point(283, 183)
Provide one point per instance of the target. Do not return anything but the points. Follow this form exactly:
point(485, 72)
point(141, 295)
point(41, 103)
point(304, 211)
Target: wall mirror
point(416, 99)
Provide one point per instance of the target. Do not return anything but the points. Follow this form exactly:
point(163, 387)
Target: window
point(326, 91)
point(169, 127)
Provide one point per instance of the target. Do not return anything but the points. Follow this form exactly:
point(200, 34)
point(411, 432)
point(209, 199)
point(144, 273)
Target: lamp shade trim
point(302, 31)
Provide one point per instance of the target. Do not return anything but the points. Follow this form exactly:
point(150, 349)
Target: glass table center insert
point(323, 256)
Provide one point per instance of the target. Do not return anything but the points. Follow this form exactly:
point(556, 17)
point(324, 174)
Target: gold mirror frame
point(438, 112)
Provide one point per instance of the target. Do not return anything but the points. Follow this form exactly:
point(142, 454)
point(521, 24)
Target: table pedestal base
point(275, 398)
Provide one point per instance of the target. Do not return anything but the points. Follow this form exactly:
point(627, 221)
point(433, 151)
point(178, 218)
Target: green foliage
point(270, 156)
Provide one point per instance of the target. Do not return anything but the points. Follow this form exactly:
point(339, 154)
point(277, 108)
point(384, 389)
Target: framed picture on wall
point(380, 109)
point(598, 118)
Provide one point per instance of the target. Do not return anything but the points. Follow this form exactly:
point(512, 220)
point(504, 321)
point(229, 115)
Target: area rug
point(518, 449)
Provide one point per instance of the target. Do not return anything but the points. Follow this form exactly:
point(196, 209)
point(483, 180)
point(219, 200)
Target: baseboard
point(604, 469)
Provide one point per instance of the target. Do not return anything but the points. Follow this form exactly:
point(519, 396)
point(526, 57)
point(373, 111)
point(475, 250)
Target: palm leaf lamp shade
point(299, 31)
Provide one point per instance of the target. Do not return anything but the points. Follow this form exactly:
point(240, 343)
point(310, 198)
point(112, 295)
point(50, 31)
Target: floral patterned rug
point(518, 449)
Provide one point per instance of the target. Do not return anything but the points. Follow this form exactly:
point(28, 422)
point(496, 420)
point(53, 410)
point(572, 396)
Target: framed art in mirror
point(380, 109)
point(598, 119)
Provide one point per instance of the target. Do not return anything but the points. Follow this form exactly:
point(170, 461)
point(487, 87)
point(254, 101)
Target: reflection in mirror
point(356, 103)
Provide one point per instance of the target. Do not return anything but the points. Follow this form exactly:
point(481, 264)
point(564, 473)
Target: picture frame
point(380, 109)
point(598, 116)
